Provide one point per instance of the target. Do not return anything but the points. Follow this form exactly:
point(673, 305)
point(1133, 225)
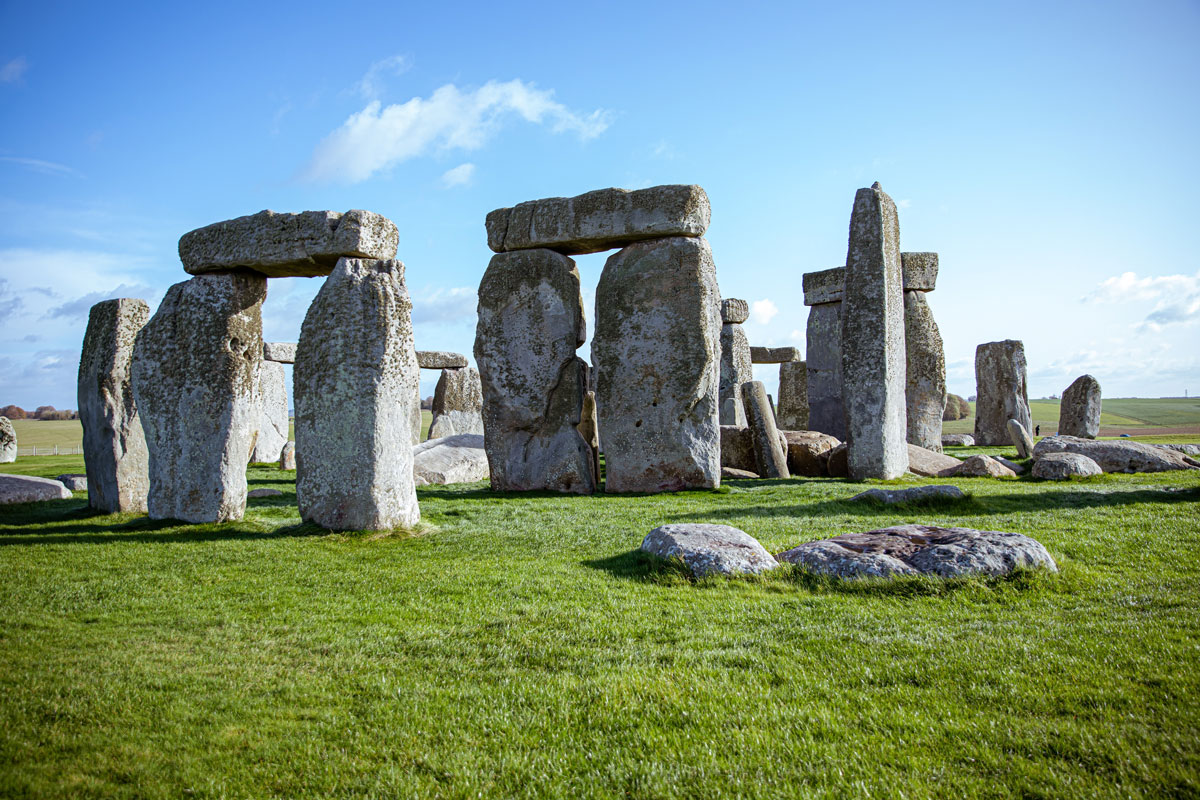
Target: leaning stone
point(1119, 455)
point(805, 450)
point(1064, 466)
point(737, 474)
point(599, 220)
point(74, 481)
point(1000, 385)
point(774, 355)
point(979, 467)
point(921, 549)
point(734, 311)
point(283, 245)
point(792, 413)
point(925, 373)
point(287, 456)
point(826, 286)
point(256, 493)
point(957, 440)
point(737, 448)
point(709, 549)
point(283, 352)
point(736, 369)
point(354, 380)
point(195, 382)
point(891, 497)
point(824, 366)
point(450, 459)
point(927, 463)
point(30, 489)
point(919, 271)
point(273, 422)
point(8, 441)
point(457, 403)
point(873, 353)
point(440, 359)
point(1020, 439)
point(657, 355)
point(530, 324)
point(1079, 410)
point(770, 458)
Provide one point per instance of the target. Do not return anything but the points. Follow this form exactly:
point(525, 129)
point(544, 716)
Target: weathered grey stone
point(956, 408)
point(774, 355)
point(282, 245)
point(1064, 466)
point(734, 311)
point(805, 450)
point(1020, 439)
point(457, 403)
point(921, 549)
point(195, 383)
point(1001, 393)
point(1186, 449)
point(273, 421)
point(978, 467)
point(599, 220)
point(450, 459)
point(873, 352)
point(709, 549)
point(114, 446)
point(456, 423)
point(287, 456)
point(256, 493)
point(8, 441)
point(928, 463)
point(283, 352)
point(1079, 410)
point(826, 286)
point(919, 271)
point(1118, 455)
point(30, 489)
point(824, 350)
point(891, 497)
point(1019, 469)
point(74, 481)
point(440, 359)
point(736, 369)
point(657, 355)
point(355, 371)
point(589, 429)
point(530, 324)
point(733, 473)
point(792, 413)
point(925, 373)
point(770, 458)
point(737, 448)
point(958, 440)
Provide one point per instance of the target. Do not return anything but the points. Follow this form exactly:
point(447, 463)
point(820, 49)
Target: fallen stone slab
point(774, 355)
point(805, 450)
point(1019, 469)
point(8, 441)
point(253, 493)
point(709, 549)
point(737, 474)
point(601, 220)
point(440, 359)
point(957, 440)
point(1064, 466)
point(979, 467)
point(1186, 449)
point(893, 497)
point(1117, 455)
point(836, 463)
point(277, 245)
point(928, 463)
point(452, 459)
point(282, 352)
point(74, 481)
point(1079, 409)
point(1020, 438)
point(921, 550)
point(734, 311)
point(30, 489)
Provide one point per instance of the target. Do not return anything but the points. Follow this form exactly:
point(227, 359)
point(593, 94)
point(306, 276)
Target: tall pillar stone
point(1079, 410)
point(873, 353)
point(770, 450)
point(792, 413)
point(657, 353)
point(273, 421)
point(354, 376)
point(195, 384)
point(736, 368)
point(1001, 391)
point(925, 377)
point(457, 403)
point(823, 293)
point(114, 446)
point(530, 325)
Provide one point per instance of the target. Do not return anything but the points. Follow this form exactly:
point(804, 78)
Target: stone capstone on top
point(919, 271)
point(774, 355)
point(707, 549)
point(283, 352)
point(734, 311)
point(440, 359)
point(825, 286)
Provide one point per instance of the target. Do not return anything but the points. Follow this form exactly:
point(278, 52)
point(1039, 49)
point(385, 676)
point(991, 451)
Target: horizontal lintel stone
point(775, 355)
point(283, 352)
point(440, 359)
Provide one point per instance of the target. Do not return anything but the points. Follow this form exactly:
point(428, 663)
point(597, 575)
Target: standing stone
point(530, 325)
point(8, 441)
point(457, 404)
point(287, 456)
point(114, 446)
point(273, 421)
point(925, 373)
point(657, 356)
point(736, 367)
point(824, 369)
point(1079, 411)
point(1020, 438)
point(354, 376)
point(770, 452)
point(1000, 391)
point(873, 353)
point(589, 429)
point(195, 383)
point(792, 413)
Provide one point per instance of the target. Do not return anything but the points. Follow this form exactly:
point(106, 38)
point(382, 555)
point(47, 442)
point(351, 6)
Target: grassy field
point(520, 646)
point(1125, 414)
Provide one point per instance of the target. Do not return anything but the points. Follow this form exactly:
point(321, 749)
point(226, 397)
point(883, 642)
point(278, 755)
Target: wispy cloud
point(459, 176)
point(44, 167)
point(1176, 298)
point(80, 306)
point(445, 305)
point(379, 137)
point(371, 84)
point(10, 303)
point(13, 70)
point(763, 311)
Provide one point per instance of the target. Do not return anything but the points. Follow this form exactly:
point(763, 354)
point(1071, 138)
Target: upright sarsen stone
point(530, 325)
point(657, 354)
point(114, 446)
point(792, 413)
point(1001, 391)
point(824, 362)
point(736, 367)
point(925, 373)
point(457, 403)
point(1079, 411)
point(353, 380)
point(8, 441)
point(195, 383)
point(273, 421)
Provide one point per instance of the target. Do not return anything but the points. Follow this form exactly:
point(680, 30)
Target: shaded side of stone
point(1079, 410)
point(791, 414)
point(736, 369)
point(826, 412)
point(925, 373)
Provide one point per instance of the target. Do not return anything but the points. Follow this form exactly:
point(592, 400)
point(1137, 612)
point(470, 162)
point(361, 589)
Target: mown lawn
point(520, 646)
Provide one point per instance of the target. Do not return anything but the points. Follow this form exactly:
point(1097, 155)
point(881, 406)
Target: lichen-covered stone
point(457, 403)
point(826, 412)
point(195, 384)
point(1020, 438)
point(825, 286)
point(114, 446)
point(1117, 455)
point(709, 549)
point(791, 413)
point(734, 311)
point(8, 441)
point(929, 463)
point(770, 451)
point(919, 271)
point(1079, 409)
point(657, 355)
point(925, 373)
point(736, 369)
point(440, 359)
point(354, 380)
point(1001, 391)
point(282, 352)
point(30, 489)
point(599, 220)
point(774, 355)
point(1064, 466)
point(273, 422)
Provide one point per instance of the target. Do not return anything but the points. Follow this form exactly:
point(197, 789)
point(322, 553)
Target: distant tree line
point(41, 412)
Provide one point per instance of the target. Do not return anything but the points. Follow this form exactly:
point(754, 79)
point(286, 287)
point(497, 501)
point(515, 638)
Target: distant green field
point(1121, 412)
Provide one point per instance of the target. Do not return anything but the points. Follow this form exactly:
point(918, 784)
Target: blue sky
point(1046, 151)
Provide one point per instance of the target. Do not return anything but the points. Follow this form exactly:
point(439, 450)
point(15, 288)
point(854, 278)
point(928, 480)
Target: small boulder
point(709, 549)
point(737, 474)
point(1020, 469)
point(1064, 466)
point(805, 450)
point(264, 493)
point(979, 467)
point(958, 440)
point(74, 481)
point(895, 496)
point(451, 459)
point(927, 463)
point(30, 489)
point(1020, 438)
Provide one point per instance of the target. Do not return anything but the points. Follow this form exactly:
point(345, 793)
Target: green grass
point(520, 646)
point(1118, 413)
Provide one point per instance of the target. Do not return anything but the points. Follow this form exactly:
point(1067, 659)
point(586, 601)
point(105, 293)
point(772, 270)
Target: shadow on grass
point(154, 531)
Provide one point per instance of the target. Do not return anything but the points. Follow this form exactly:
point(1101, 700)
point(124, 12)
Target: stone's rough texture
point(958, 440)
point(195, 382)
point(530, 324)
point(657, 356)
point(709, 549)
point(114, 446)
point(774, 355)
point(457, 403)
point(282, 245)
point(927, 463)
point(599, 220)
point(921, 549)
point(734, 311)
point(737, 448)
point(1063, 466)
point(456, 423)
point(826, 286)
point(979, 467)
point(1019, 469)
point(1119, 455)
point(925, 373)
point(1079, 410)
point(919, 271)
point(770, 449)
point(287, 456)
point(273, 421)
point(356, 369)
point(737, 474)
point(74, 481)
point(452, 459)
point(283, 352)
point(1186, 449)
point(736, 369)
point(805, 450)
point(1020, 439)
point(824, 342)
point(256, 493)
point(589, 429)
point(873, 353)
point(956, 408)
point(30, 489)
point(8, 441)
point(891, 497)
point(792, 413)
point(440, 359)
point(1000, 385)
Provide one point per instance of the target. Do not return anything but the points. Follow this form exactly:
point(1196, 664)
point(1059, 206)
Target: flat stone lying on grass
point(927, 463)
point(287, 456)
point(709, 549)
point(8, 441)
point(979, 467)
point(734, 473)
point(1186, 449)
point(1117, 455)
point(264, 493)
point(440, 359)
point(30, 489)
point(774, 355)
point(1020, 438)
point(451, 459)
point(895, 496)
point(1063, 466)
point(1020, 469)
point(282, 352)
point(74, 481)
point(804, 450)
point(920, 549)
point(957, 440)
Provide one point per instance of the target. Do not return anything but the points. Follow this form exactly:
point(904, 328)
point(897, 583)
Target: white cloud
point(370, 86)
point(13, 70)
point(763, 311)
point(904, 203)
point(44, 167)
point(1176, 298)
point(459, 176)
point(380, 137)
